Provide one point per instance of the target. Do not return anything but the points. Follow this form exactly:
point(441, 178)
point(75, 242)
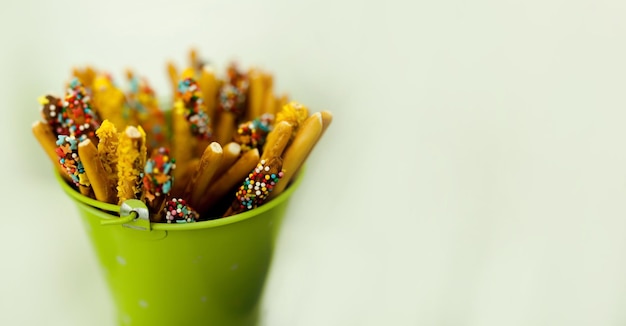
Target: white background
point(474, 173)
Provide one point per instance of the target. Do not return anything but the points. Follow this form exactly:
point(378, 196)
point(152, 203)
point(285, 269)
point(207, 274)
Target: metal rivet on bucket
point(133, 214)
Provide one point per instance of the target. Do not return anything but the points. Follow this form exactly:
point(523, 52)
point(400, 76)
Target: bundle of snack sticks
point(224, 145)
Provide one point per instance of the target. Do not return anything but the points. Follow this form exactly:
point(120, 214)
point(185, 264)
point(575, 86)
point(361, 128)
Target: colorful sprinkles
point(191, 102)
point(177, 211)
point(252, 134)
point(258, 185)
point(67, 151)
point(157, 179)
point(52, 113)
point(77, 114)
point(233, 94)
point(145, 107)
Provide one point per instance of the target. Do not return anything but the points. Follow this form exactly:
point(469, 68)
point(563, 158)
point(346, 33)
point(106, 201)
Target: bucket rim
point(106, 210)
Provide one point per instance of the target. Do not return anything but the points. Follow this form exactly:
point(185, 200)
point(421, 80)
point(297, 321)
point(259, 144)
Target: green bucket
point(203, 273)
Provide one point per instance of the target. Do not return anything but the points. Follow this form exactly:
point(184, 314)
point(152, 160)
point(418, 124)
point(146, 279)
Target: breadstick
point(306, 138)
point(294, 113)
point(209, 87)
point(145, 110)
point(109, 101)
point(256, 94)
point(107, 153)
point(201, 177)
point(234, 175)
point(230, 155)
point(225, 127)
point(88, 154)
point(85, 76)
point(157, 181)
point(130, 164)
point(253, 133)
point(327, 118)
point(257, 187)
point(183, 177)
point(183, 143)
point(189, 72)
point(277, 140)
point(46, 139)
point(172, 73)
point(231, 104)
point(193, 59)
point(269, 102)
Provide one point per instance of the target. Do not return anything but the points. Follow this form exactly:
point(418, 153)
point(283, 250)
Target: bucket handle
point(133, 214)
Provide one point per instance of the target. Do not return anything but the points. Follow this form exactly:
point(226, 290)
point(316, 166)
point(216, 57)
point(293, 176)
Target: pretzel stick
point(277, 140)
point(109, 101)
point(46, 139)
point(67, 152)
point(256, 94)
point(131, 161)
point(189, 72)
point(327, 118)
point(234, 175)
point(225, 127)
point(193, 59)
point(201, 177)
point(297, 152)
point(172, 73)
point(269, 102)
point(257, 187)
point(230, 154)
point(183, 143)
point(157, 181)
point(107, 153)
point(94, 169)
point(209, 86)
point(184, 177)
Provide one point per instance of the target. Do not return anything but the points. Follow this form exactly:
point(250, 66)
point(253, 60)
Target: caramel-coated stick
point(226, 182)
point(201, 177)
point(277, 140)
point(46, 139)
point(307, 136)
point(94, 169)
point(229, 157)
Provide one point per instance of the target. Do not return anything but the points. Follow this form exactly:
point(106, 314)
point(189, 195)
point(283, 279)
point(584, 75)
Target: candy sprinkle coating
point(177, 211)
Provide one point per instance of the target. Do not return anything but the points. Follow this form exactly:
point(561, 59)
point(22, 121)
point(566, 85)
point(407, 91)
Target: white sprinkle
point(258, 192)
point(267, 168)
